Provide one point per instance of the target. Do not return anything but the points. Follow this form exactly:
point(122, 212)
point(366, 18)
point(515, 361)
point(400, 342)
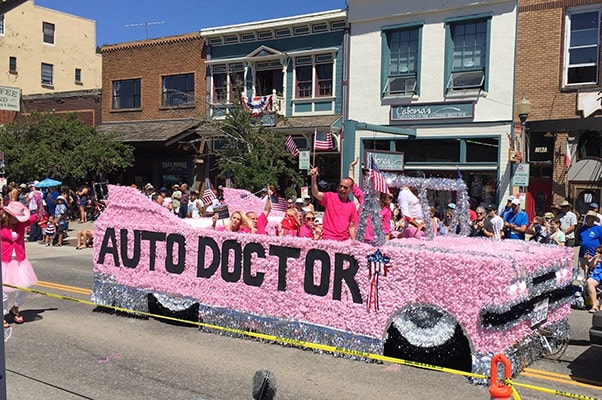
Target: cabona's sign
point(231, 261)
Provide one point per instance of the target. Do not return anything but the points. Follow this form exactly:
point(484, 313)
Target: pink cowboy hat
point(17, 210)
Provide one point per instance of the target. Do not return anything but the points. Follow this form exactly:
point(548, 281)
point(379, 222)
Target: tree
point(255, 156)
point(61, 147)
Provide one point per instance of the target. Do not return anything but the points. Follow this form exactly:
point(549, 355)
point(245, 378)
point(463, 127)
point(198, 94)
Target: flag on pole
point(323, 141)
point(278, 203)
point(458, 172)
point(567, 156)
point(291, 147)
point(208, 194)
point(378, 179)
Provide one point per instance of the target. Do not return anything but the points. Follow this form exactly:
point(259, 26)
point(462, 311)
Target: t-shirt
point(590, 237)
point(409, 204)
point(337, 216)
point(262, 223)
point(519, 219)
point(567, 220)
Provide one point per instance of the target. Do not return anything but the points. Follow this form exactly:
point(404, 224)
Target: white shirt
point(498, 223)
point(566, 221)
point(409, 204)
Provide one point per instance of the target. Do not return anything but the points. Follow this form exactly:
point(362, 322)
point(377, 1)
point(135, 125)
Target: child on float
point(16, 269)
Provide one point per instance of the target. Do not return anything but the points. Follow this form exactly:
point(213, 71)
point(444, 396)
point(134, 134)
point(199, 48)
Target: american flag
point(208, 194)
point(278, 203)
point(378, 179)
point(291, 147)
point(323, 141)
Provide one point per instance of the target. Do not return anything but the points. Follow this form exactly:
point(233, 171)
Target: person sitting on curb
point(84, 238)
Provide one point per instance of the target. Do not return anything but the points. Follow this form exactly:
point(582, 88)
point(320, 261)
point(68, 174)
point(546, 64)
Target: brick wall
point(539, 59)
point(149, 60)
point(85, 106)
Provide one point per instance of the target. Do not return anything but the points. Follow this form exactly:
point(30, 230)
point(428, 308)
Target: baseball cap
point(299, 200)
point(515, 201)
point(593, 205)
point(452, 206)
point(490, 207)
point(548, 215)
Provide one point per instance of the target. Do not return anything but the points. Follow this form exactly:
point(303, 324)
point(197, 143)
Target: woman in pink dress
point(16, 269)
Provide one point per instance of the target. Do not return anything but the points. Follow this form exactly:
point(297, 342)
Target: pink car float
point(451, 301)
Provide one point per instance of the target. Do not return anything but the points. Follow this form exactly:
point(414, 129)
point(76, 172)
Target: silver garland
point(371, 210)
point(422, 185)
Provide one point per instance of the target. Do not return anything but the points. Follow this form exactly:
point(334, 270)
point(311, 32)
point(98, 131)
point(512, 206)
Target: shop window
point(48, 32)
point(12, 65)
point(482, 150)
point(126, 94)
point(582, 46)
point(466, 54)
point(178, 90)
point(430, 150)
point(47, 74)
point(401, 61)
point(590, 145)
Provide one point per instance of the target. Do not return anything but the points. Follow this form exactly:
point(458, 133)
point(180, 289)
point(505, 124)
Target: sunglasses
point(344, 187)
point(309, 218)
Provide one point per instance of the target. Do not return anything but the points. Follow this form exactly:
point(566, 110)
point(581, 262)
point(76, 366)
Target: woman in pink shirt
point(16, 269)
point(307, 229)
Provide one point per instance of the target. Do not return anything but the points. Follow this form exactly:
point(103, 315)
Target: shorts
point(60, 229)
point(50, 234)
point(597, 275)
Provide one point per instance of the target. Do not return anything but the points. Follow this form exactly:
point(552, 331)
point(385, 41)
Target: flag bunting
point(256, 105)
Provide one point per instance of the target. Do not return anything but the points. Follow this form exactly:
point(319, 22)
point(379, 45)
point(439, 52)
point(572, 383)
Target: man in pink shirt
point(340, 217)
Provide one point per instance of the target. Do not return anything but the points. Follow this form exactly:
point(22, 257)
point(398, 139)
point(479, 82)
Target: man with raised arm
point(340, 217)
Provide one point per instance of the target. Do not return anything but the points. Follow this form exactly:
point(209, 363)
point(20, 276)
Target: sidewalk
point(74, 227)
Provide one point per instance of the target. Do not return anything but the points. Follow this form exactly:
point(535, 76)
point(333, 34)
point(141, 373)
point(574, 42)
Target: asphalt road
point(70, 350)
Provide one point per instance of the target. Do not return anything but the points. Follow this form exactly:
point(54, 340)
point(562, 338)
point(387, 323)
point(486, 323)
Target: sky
point(153, 18)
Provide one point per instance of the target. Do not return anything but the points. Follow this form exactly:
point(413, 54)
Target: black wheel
point(428, 335)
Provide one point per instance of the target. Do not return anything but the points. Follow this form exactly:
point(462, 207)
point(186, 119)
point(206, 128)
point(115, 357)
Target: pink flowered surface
point(459, 275)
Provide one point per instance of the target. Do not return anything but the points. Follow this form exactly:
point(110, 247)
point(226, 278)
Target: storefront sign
point(429, 112)
point(10, 98)
point(386, 160)
point(589, 102)
point(304, 159)
point(521, 175)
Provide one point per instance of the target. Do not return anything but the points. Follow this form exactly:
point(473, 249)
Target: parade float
point(450, 301)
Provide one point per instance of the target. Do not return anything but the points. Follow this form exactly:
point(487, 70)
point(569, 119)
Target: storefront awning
point(163, 132)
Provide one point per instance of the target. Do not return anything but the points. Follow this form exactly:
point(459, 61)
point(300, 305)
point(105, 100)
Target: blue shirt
point(590, 237)
point(519, 219)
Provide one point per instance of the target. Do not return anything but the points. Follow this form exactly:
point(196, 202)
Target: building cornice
point(189, 37)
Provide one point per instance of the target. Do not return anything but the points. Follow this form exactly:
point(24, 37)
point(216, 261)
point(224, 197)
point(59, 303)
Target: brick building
point(154, 97)
point(558, 70)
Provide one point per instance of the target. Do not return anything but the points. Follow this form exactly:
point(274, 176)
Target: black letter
point(247, 277)
point(348, 275)
point(152, 238)
point(283, 253)
point(105, 249)
point(201, 271)
point(130, 262)
point(228, 245)
point(308, 284)
point(178, 268)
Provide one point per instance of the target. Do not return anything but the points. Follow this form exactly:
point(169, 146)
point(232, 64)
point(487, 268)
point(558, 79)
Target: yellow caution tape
point(295, 342)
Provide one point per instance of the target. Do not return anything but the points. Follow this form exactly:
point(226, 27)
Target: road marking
point(560, 378)
point(72, 289)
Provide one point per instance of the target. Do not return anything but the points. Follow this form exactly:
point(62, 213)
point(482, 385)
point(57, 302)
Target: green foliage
point(60, 147)
point(255, 156)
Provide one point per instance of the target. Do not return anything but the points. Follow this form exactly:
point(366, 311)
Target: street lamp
point(523, 107)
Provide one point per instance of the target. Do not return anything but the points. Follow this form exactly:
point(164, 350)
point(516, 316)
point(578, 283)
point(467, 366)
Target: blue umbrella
point(46, 183)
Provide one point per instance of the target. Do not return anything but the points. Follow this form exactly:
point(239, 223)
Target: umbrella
point(46, 183)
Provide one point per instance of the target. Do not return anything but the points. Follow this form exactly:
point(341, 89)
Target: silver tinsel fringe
point(107, 292)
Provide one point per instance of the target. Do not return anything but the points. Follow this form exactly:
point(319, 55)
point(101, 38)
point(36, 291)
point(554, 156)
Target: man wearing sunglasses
point(340, 215)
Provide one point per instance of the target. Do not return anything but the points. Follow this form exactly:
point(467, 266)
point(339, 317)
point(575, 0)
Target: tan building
point(46, 51)
point(558, 59)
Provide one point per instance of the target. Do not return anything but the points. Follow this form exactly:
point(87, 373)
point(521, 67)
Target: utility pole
point(145, 24)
